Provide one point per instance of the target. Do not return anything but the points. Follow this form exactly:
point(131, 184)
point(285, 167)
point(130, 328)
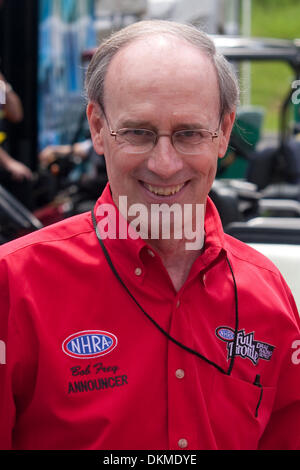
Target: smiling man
point(160, 134)
point(195, 346)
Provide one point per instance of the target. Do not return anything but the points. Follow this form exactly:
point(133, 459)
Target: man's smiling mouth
point(164, 191)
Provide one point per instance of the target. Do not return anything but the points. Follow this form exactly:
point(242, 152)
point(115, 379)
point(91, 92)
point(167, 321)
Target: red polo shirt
point(82, 367)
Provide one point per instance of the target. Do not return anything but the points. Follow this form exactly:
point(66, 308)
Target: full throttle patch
point(246, 346)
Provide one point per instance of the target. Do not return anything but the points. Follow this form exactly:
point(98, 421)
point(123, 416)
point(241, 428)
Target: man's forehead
point(158, 51)
point(158, 60)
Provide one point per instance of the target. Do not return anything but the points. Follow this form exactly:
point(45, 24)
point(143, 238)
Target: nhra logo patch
point(246, 345)
point(89, 343)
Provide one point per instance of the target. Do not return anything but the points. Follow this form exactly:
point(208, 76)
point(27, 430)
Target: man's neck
point(176, 259)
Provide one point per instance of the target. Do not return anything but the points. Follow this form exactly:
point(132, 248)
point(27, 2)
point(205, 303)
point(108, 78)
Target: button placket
point(181, 422)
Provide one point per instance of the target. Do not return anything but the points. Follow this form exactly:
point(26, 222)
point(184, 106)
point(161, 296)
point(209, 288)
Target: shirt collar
point(128, 250)
point(119, 243)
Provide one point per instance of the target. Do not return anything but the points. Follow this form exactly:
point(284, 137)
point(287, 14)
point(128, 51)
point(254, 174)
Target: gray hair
point(96, 73)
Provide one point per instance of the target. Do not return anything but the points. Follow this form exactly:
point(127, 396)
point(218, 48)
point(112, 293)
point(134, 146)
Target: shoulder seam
point(45, 241)
point(246, 260)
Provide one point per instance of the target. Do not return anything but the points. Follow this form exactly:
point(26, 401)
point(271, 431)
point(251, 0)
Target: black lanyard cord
point(236, 328)
point(165, 333)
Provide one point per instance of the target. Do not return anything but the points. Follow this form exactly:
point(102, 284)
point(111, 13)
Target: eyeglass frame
point(214, 134)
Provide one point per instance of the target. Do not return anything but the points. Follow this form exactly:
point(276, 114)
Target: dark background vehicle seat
point(283, 230)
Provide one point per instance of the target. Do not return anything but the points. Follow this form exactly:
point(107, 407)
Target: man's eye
point(192, 136)
point(136, 132)
point(188, 133)
point(142, 132)
point(189, 136)
point(136, 136)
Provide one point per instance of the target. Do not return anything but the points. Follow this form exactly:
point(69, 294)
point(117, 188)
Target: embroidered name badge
point(246, 345)
point(89, 344)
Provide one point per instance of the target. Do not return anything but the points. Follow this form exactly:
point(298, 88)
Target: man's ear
point(95, 119)
point(226, 128)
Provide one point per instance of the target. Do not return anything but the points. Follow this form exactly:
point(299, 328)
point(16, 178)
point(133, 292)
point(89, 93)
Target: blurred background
point(41, 45)
point(48, 169)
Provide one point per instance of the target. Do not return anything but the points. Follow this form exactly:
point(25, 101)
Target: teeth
point(164, 191)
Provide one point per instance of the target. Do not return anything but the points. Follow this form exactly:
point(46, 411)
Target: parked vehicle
point(253, 182)
point(262, 208)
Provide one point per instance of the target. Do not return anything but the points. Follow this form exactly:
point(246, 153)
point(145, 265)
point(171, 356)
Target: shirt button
point(137, 271)
point(178, 304)
point(182, 443)
point(179, 373)
point(150, 252)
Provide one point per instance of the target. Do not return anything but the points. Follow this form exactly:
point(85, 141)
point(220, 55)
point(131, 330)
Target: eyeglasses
point(186, 141)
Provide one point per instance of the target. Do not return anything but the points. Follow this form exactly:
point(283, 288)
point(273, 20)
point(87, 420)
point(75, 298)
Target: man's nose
point(164, 160)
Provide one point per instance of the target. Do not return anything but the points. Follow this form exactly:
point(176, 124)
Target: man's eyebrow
point(132, 123)
point(192, 125)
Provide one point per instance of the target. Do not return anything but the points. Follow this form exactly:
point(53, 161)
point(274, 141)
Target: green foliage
point(276, 18)
point(271, 81)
